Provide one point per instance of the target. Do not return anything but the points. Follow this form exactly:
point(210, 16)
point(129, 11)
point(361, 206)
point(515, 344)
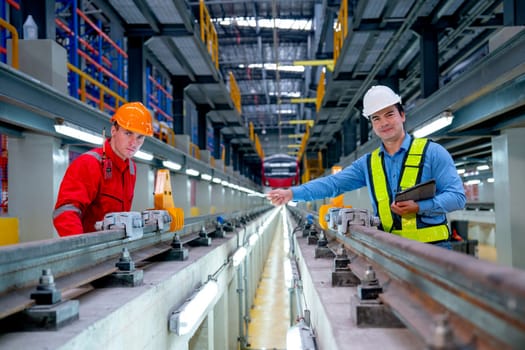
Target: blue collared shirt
point(437, 165)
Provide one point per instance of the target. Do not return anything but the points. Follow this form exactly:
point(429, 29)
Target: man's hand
point(279, 197)
point(405, 207)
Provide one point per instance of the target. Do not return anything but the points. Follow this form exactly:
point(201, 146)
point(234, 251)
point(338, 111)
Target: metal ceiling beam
point(179, 57)
point(497, 102)
point(162, 30)
point(493, 72)
point(150, 17)
point(406, 26)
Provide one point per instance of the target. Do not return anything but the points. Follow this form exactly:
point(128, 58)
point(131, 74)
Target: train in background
point(280, 171)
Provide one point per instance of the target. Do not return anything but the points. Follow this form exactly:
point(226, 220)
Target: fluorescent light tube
point(288, 273)
point(192, 172)
point(78, 133)
point(293, 338)
point(473, 182)
point(443, 120)
point(143, 155)
point(186, 319)
point(239, 256)
point(482, 167)
point(254, 237)
point(171, 165)
point(217, 180)
point(206, 177)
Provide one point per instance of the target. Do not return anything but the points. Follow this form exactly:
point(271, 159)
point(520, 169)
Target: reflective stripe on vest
point(411, 174)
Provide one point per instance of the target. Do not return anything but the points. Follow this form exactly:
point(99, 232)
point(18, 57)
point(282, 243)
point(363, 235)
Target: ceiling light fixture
point(171, 165)
point(239, 256)
point(143, 155)
point(192, 172)
point(441, 121)
point(473, 182)
point(206, 177)
point(300, 337)
point(217, 180)
point(186, 319)
point(254, 237)
point(482, 167)
point(78, 133)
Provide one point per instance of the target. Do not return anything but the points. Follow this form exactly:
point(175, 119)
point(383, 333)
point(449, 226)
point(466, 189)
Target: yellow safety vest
point(411, 174)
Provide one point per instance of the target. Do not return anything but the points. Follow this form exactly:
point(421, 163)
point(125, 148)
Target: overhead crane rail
point(78, 261)
point(473, 303)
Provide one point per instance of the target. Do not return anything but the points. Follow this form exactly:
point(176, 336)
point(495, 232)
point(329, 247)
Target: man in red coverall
point(102, 180)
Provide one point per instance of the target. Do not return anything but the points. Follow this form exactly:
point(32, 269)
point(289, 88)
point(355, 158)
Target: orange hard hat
point(134, 116)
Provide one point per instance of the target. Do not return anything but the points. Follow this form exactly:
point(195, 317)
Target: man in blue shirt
point(400, 162)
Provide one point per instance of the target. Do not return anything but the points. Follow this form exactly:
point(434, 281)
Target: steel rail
point(76, 261)
point(484, 302)
point(489, 297)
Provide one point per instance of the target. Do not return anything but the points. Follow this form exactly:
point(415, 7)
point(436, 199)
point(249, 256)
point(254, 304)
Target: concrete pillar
point(429, 54)
point(508, 166)
point(179, 83)
point(181, 189)
point(136, 69)
point(217, 199)
point(364, 126)
point(217, 142)
point(203, 337)
point(349, 136)
point(144, 188)
point(220, 319)
point(37, 164)
point(204, 197)
point(235, 157)
point(513, 13)
point(202, 126)
point(227, 150)
point(234, 318)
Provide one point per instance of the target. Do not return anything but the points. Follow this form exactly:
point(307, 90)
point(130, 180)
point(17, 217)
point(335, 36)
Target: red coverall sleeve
point(79, 188)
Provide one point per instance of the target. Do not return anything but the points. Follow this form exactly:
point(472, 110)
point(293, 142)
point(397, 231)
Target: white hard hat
point(377, 98)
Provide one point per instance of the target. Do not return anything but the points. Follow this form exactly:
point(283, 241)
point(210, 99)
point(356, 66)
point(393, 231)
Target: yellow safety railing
point(340, 29)
point(309, 122)
point(252, 131)
point(209, 34)
point(195, 152)
point(235, 93)
point(328, 63)
point(303, 100)
point(312, 168)
point(165, 133)
point(258, 147)
point(212, 161)
point(103, 90)
point(304, 141)
point(14, 39)
point(320, 91)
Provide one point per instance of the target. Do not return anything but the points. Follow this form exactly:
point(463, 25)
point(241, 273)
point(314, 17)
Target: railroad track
point(448, 299)
point(77, 261)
